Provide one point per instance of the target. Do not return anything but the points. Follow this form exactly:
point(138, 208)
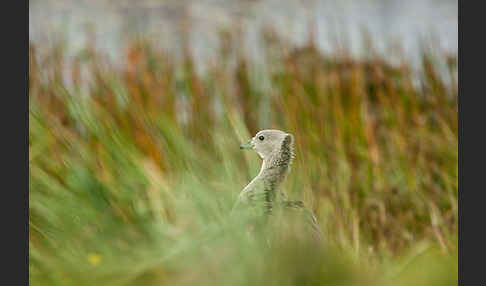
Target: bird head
point(266, 142)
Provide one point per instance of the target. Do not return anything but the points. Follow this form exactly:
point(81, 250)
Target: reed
point(134, 168)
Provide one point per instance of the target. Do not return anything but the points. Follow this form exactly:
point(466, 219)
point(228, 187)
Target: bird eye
point(261, 138)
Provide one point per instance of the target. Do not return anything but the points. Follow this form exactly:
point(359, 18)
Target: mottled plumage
point(275, 147)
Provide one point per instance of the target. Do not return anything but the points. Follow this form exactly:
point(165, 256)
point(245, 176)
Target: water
point(411, 24)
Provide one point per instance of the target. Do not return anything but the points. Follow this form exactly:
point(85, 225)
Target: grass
point(134, 169)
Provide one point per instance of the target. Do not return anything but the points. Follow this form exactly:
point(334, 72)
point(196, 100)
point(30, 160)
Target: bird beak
point(247, 145)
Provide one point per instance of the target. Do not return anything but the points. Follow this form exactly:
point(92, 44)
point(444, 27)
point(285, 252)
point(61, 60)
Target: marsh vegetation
point(134, 168)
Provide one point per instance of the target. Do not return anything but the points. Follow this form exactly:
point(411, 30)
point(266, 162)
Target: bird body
point(275, 147)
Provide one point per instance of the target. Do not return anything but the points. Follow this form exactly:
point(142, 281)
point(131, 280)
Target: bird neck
point(274, 169)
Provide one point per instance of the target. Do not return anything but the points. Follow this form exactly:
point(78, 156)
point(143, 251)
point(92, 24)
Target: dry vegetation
point(133, 170)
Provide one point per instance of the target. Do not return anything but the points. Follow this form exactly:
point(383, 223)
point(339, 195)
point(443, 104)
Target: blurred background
point(137, 110)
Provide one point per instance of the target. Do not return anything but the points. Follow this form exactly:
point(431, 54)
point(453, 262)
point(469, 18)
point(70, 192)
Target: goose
point(275, 148)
